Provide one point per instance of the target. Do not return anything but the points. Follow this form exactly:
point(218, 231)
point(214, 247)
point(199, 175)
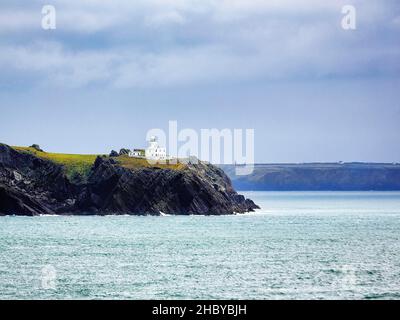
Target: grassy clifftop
point(132, 163)
point(77, 166)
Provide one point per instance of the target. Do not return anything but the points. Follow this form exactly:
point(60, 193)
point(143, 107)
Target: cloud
point(152, 43)
point(16, 21)
point(165, 18)
point(396, 21)
point(53, 65)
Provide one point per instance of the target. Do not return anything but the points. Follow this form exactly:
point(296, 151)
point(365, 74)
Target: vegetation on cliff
point(77, 166)
point(34, 182)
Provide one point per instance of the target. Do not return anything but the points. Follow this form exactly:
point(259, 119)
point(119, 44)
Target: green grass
point(77, 166)
point(133, 163)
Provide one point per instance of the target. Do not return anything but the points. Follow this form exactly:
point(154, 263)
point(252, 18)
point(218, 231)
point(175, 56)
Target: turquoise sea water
point(301, 245)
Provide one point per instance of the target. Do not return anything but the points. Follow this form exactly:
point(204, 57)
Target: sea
point(299, 245)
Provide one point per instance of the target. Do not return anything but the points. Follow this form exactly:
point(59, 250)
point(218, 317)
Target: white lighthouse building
point(154, 151)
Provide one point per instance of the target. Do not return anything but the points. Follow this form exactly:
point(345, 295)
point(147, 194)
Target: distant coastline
point(351, 176)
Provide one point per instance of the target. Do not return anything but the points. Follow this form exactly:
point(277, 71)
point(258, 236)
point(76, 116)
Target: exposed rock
point(114, 153)
point(36, 147)
point(17, 176)
point(124, 151)
point(30, 186)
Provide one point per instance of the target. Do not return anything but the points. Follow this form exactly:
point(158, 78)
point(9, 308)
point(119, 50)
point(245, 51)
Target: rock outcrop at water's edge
point(30, 185)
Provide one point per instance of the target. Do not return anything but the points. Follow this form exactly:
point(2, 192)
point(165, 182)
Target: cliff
point(32, 185)
point(318, 177)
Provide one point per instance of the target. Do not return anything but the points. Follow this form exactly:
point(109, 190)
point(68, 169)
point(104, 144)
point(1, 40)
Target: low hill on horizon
point(354, 176)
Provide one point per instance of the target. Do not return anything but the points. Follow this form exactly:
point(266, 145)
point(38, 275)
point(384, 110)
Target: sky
point(111, 70)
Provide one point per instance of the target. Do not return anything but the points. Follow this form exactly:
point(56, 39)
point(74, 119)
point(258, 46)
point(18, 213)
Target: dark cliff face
point(30, 186)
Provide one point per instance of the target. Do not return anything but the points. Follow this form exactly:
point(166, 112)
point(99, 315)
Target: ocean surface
point(300, 245)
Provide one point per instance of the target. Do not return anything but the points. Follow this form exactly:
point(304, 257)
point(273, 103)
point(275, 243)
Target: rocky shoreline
point(32, 186)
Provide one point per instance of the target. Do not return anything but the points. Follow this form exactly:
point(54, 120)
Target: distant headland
point(352, 176)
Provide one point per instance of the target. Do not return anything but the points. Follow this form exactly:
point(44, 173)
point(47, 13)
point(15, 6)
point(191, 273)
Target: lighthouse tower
point(154, 151)
point(153, 142)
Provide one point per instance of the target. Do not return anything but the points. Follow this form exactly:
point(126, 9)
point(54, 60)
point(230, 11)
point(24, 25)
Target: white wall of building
point(153, 152)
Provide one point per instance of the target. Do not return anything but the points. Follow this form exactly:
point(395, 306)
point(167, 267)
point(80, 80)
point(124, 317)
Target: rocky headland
point(33, 185)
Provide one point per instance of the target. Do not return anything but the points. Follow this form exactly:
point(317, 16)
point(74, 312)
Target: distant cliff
point(318, 176)
point(31, 184)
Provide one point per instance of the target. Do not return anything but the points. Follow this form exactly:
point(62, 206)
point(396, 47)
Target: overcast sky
point(112, 70)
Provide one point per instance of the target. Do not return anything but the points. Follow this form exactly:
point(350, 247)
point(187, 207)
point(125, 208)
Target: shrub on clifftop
point(36, 147)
